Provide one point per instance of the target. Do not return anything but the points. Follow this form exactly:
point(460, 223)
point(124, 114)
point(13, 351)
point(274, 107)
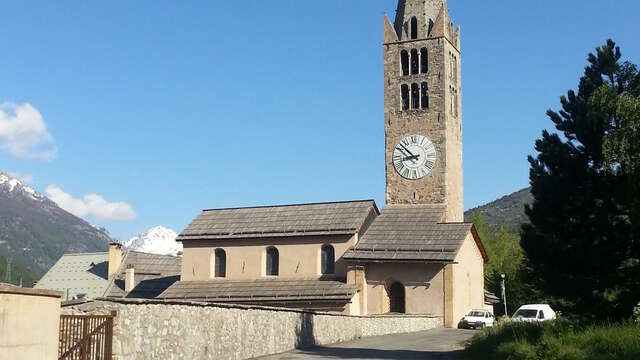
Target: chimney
point(129, 278)
point(115, 258)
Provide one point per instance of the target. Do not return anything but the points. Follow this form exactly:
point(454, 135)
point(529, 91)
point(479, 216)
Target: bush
point(559, 340)
point(636, 313)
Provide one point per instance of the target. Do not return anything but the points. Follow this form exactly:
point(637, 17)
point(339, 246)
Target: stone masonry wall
point(148, 330)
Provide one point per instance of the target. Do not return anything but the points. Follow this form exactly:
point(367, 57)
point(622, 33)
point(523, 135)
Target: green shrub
point(636, 313)
point(559, 340)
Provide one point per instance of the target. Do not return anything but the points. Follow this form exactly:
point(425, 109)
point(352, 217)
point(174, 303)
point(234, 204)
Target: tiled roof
point(259, 290)
point(151, 288)
point(147, 267)
point(76, 274)
point(411, 233)
point(277, 221)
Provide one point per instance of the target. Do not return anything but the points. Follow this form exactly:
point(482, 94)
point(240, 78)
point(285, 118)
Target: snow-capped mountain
point(8, 184)
point(157, 240)
point(35, 231)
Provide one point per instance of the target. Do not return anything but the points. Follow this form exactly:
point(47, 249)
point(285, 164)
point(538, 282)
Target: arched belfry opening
point(397, 299)
point(413, 28)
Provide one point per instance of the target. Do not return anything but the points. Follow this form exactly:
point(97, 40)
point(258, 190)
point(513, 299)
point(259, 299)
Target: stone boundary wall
point(189, 330)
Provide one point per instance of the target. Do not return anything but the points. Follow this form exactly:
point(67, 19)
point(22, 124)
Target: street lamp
point(504, 295)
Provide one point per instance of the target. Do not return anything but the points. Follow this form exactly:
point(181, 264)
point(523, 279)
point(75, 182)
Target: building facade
point(416, 256)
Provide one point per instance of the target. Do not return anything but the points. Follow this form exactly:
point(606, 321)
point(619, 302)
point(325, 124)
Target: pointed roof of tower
point(390, 34)
point(425, 11)
point(444, 27)
point(442, 23)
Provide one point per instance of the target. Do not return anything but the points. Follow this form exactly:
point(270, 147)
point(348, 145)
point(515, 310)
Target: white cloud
point(91, 205)
point(24, 134)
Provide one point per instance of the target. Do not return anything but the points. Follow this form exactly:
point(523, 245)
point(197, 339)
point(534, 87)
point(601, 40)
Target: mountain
point(507, 211)
point(35, 231)
point(158, 240)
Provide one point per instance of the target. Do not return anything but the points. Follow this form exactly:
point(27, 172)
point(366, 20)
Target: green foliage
point(18, 271)
point(505, 257)
point(636, 313)
point(558, 340)
point(581, 243)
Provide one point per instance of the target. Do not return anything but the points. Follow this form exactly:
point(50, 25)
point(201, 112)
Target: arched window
point(415, 96)
point(414, 28)
point(414, 61)
point(220, 263)
point(327, 260)
point(404, 60)
point(424, 95)
point(396, 298)
point(405, 96)
point(273, 261)
point(424, 60)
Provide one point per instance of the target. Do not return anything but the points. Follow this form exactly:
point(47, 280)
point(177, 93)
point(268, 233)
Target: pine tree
point(580, 241)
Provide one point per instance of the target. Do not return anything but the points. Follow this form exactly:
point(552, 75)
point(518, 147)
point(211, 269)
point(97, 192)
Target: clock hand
point(411, 157)
point(407, 150)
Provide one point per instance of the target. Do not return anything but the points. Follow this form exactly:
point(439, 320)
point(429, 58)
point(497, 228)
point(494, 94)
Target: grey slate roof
point(410, 233)
point(284, 220)
point(161, 268)
point(259, 290)
point(76, 274)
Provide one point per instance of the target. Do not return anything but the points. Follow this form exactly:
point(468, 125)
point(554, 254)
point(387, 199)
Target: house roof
point(87, 273)
point(76, 274)
point(259, 290)
point(283, 220)
point(411, 233)
point(161, 268)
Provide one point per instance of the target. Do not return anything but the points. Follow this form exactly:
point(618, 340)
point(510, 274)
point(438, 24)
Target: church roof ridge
point(294, 204)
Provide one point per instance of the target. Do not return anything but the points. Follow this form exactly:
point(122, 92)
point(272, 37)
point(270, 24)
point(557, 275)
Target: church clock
point(414, 157)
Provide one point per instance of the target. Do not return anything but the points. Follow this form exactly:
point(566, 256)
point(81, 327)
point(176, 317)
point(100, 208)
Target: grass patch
point(559, 340)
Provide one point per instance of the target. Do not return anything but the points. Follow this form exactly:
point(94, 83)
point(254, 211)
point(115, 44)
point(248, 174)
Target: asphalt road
point(437, 344)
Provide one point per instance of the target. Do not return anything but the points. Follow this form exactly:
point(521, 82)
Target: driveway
point(437, 344)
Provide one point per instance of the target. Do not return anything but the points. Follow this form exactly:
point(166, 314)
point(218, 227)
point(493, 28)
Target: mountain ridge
point(507, 211)
point(157, 240)
point(35, 232)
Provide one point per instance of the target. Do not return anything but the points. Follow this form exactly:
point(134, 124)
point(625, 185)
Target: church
point(414, 256)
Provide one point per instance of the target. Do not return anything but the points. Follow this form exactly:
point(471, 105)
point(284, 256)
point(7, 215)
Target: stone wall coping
point(256, 307)
point(12, 289)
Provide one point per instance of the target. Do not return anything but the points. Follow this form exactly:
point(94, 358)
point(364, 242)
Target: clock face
point(414, 157)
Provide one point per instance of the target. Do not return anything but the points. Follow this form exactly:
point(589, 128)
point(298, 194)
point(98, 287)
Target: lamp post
point(504, 294)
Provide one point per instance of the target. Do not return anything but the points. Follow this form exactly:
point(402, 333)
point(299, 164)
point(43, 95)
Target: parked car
point(534, 313)
point(477, 319)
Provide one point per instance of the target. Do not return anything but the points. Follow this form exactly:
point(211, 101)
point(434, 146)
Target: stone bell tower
point(422, 107)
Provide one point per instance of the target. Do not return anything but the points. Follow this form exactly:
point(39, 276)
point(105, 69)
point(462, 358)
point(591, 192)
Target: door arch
point(397, 298)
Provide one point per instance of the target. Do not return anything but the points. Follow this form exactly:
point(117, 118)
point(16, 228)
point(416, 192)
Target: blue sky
point(171, 107)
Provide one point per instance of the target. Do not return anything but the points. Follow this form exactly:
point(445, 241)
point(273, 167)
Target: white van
point(534, 313)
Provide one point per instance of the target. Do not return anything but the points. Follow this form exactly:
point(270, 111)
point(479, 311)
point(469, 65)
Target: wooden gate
point(85, 337)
